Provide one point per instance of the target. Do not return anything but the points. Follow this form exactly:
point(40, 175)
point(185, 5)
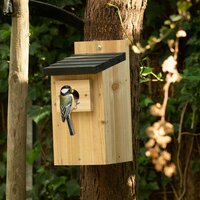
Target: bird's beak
point(72, 90)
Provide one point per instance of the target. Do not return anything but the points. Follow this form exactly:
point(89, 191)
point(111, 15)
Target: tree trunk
point(17, 95)
point(117, 181)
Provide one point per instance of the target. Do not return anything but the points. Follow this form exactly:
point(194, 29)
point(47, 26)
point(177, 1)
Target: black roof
point(84, 64)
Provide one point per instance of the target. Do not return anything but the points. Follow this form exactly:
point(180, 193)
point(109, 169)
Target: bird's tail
point(70, 125)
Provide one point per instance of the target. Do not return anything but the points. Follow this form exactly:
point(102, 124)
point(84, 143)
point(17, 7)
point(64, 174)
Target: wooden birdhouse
point(99, 71)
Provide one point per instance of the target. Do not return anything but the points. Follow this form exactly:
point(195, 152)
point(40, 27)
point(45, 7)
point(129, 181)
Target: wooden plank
point(85, 147)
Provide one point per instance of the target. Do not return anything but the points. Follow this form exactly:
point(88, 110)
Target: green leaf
point(2, 191)
point(3, 69)
point(58, 182)
point(2, 170)
point(196, 165)
point(73, 188)
point(145, 71)
point(34, 48)
point(4, 51)
point(144, 102)
point(3, 86)
point(41, 170)
point(5, 32)
point(2, 138)
point(167, 22)
point(192, 78)
point(175, 18)
point(33, 154)
point(191, 74)
point(183, 6)
point(165, 180)
point(39, 113)
point(146, 188)
point(152, 186)
point(35, 92)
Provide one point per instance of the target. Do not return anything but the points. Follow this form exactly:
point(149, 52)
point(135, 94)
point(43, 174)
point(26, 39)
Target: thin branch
point(193, 117)
point(164, 105)
point(191, 134)
point(179, 143)
point(176, 49)
point(181, 122)
point(120, 19)
point(186, 170)
point(164, 193)
point(174, 191)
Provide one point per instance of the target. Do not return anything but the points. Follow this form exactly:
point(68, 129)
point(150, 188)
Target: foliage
point(51, 41)
point(183, 105)
point(50, 182)
point(4, 52)
point(146, 72)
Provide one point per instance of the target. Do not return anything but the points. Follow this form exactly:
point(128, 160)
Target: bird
point(69, 99)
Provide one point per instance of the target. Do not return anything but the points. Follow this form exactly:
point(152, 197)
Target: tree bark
point(117, 181)
point(17, 95)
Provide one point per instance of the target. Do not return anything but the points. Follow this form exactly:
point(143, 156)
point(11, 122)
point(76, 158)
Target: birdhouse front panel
point(102, 119)
point(87, 146)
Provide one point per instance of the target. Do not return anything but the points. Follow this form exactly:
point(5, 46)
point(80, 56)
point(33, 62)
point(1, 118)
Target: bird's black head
point(66, 89)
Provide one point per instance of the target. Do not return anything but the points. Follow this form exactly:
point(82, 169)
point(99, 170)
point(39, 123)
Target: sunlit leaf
point(145, 71)
point(175, 18)
point(136, 49)
point(183, 6)
point(38, 113)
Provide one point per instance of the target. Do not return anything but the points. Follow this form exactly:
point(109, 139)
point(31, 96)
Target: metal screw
point(99, 47)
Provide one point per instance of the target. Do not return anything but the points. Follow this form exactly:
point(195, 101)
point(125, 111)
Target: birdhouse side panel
point(118, 113)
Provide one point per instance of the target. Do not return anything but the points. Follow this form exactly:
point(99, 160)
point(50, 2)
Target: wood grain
point(104, 135)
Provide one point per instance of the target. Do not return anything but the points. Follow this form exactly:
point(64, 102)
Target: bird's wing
point(65, 107)
point(62, 110)
point(68, 106)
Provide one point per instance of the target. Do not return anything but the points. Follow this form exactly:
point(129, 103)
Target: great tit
point(68, 101)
